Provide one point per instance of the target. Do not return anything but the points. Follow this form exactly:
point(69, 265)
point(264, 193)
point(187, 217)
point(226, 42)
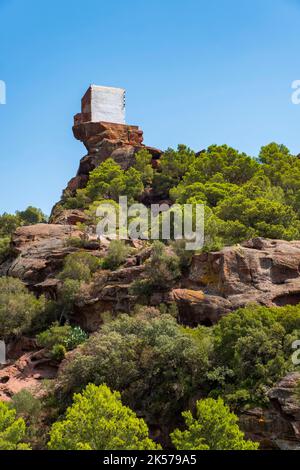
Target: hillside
point(163, 326)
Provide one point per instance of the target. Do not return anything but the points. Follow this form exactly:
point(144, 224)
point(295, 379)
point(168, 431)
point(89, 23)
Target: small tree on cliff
point(213, 428)
point(97, 420)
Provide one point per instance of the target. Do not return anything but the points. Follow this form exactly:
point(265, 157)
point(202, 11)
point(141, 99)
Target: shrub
point(185, 256)
point(116, 255)
point(213, 428)
point(97, 420)
point(26, 405)
point(67, 336)
point(58, 352)
point(18, 307)
point(79, 266)
point(161, 270)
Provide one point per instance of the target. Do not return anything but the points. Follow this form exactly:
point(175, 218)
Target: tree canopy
point(213, 428)
point(97, 420)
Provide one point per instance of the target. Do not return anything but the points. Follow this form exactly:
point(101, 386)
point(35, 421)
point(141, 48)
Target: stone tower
point(101, 128)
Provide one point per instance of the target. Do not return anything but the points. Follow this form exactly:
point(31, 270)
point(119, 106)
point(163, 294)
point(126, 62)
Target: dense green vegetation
point(59, 339)
point(144, 380)
point(156, 364)
point(213, 428)
point(252, 350)
point(243, 196)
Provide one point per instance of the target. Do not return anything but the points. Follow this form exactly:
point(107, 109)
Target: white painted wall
point(108, 104)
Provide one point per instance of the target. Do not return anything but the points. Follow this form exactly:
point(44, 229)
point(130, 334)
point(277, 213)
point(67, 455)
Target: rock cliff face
point(259, 271)
point(39, 253)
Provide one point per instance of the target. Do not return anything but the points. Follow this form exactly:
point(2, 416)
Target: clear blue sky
point(196, 72)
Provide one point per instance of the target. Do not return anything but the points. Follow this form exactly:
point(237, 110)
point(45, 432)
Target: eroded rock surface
point(259, 271)
point(39, 252)
point(27, 372)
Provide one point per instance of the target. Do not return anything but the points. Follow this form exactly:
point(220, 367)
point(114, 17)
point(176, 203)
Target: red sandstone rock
point(40, 250)
point(261, 271)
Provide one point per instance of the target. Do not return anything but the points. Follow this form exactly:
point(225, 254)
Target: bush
point(161, 270)
point(26, 405)
point(213, 428)
point(116, 255)
point(79, 266)
point(97, 420)
point(68, 293)
point(67, 336)
point(18, 307)
point(58, 352)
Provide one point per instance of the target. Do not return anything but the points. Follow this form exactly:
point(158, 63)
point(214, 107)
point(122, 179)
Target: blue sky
point(196, 72)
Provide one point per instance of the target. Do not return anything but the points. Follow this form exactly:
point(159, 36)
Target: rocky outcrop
point(259, 271)
point(109, 292)
point(70, 217)
point(27, 372)
point(103, 140)
point(39, 252)
point(278, 426)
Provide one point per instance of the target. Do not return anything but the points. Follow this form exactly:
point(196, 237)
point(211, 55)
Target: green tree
point(143, 160)
point(97, 420)
point(18, 307)
point(213, 428)
point(4, 248)
point(107, 180)
point(12, 430)
point(31, 215)
point(8, 224)
point(253, 345)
